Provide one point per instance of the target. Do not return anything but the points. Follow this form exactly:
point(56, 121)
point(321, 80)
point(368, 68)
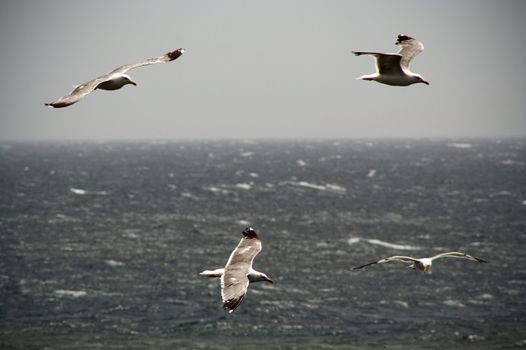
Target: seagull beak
point(269, 280)
point(425, 82)
point(133, 82)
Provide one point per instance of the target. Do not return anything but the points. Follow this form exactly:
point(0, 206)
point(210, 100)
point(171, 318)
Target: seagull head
point(418, 79)
point(266, 278)
point(129, 80)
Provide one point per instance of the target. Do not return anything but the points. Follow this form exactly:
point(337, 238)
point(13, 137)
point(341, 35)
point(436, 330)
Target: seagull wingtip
point(175, 54)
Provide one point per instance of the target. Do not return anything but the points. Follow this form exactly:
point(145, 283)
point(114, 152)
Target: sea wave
point(334, 188)
point(70, 293)
point(354, 240)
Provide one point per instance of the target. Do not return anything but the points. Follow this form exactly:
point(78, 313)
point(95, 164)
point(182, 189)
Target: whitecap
point(301, 163)
point(247, 154)
point(78, 191)
point(189, 195)
point(392, 245)
point(485, 296)
point(243, 222)
point(402, 303)
point(327, 187)
point(353, 240)
point(114, 263)
point(244, 186)
point(70, 293)
point(461, 145)
point(372, 173)
point(215, 189)
point(335, 188)
point(253, 175)
point(453, 303)
point(511, 162)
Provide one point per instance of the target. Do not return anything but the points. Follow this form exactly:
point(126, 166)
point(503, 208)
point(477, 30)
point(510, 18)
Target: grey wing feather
point(386, 63)
point(391, 258)
point(78, 93)
point(458, 255)
point(170, 56)
point(234, 282)
point(408, 50)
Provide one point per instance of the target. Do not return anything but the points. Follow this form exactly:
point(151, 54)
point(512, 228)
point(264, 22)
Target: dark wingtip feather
point(249, 233)
point(175, 54)
point(402, 37)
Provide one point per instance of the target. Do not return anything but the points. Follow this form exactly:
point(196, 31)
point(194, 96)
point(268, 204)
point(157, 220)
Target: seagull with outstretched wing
point(422, 264)
point(114, 80)
point(238, 272)
point(393, 68)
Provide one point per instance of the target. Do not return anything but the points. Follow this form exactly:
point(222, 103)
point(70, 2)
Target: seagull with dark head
point(422, 264)
point(114, 80)
point(238, 272)
point(393, 68)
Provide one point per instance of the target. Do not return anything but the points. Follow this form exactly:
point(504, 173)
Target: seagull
point(238, 272)
point(423, 264)
point(393, 68)
point(114, 80)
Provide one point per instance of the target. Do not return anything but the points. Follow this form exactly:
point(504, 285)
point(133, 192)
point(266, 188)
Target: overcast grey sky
point(262, 69)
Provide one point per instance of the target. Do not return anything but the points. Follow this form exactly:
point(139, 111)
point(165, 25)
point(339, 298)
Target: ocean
point(101, 243)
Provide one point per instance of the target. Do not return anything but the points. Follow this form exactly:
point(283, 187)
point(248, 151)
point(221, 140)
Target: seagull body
point(114, 80)
point(422, 264)
point(238, 271)
point(393, 68)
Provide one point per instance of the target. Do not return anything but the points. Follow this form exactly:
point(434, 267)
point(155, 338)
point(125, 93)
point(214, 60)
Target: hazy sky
point(262, 69)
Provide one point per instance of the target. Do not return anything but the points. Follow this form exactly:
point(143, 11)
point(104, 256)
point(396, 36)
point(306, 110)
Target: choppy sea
point(101, 244)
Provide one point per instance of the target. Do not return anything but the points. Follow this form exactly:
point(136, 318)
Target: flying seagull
point(238, 272)
point(393, 68)
point(114, 80)
point(423, 264)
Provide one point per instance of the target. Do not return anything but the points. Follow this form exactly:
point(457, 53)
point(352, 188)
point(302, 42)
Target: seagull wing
point(458, 255)
point(234, 282)
point(409, 48)
point(79, 92)
point(386, 63)
point(168, 57)
point(391, 258)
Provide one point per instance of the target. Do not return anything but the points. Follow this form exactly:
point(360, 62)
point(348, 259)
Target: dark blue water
point(101, 244)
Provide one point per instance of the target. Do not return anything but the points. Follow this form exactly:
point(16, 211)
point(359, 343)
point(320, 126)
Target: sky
point(269, 69)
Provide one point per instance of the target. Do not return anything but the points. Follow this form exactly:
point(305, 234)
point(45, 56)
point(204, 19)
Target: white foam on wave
point(78, 191)
point(354, 240)
point(393, 245)
point(334, 188)
point(371, 173)
point(70, 293)
point(215, 189)
point(247, 154)
point(301, 163)
point(244, 186)
point(81, 192)
point(114, 263)
point(511, 162)
point(461, 145)
point(453, 303)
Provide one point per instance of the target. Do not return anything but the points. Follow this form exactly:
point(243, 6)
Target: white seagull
point(393, 68)
point(114, 80)
point(423, 264)
point(238, 271)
